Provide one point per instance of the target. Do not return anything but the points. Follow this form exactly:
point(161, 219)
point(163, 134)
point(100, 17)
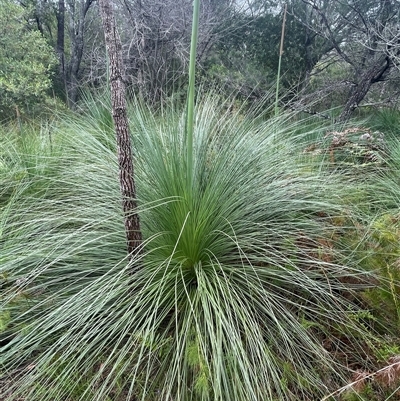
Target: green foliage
point(25, 158)
point(383, 254)
point(386, 120)
point(214, 307)
point(373, 166)
point(245, 61)
point(383, 238)
point(234, 74)
point(4, 320)
point(26, 62)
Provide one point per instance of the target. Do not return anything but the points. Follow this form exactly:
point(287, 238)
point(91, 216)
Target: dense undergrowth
point(274, 277)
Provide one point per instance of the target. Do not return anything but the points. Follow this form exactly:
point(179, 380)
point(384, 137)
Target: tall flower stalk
point(280, 61)
point(191, 93)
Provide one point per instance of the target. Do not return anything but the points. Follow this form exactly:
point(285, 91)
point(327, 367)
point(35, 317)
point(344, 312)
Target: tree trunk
point(79, 11)
point(370, 76)
point(61, 42)
point(119, 113)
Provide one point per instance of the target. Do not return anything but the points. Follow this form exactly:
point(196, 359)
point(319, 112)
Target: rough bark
point(373, 74)
point(78, 11)
point(119, 113)
point(61, 40)
point(361, 33)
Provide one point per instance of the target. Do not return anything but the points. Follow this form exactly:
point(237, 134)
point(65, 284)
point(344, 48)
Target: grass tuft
point(236, 294)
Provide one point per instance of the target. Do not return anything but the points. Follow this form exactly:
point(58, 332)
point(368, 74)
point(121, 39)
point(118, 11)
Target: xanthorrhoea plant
point(228, 305)
point(222, 306)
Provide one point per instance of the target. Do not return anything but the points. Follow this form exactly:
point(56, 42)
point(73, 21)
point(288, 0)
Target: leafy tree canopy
point(26, 61)
point(246, 59)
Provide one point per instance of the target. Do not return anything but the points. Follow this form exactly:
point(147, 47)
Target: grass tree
point(232, 301)
point(240, 293)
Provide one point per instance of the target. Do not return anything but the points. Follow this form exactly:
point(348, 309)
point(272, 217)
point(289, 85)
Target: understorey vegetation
point(276, 277)
point(208, 247)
